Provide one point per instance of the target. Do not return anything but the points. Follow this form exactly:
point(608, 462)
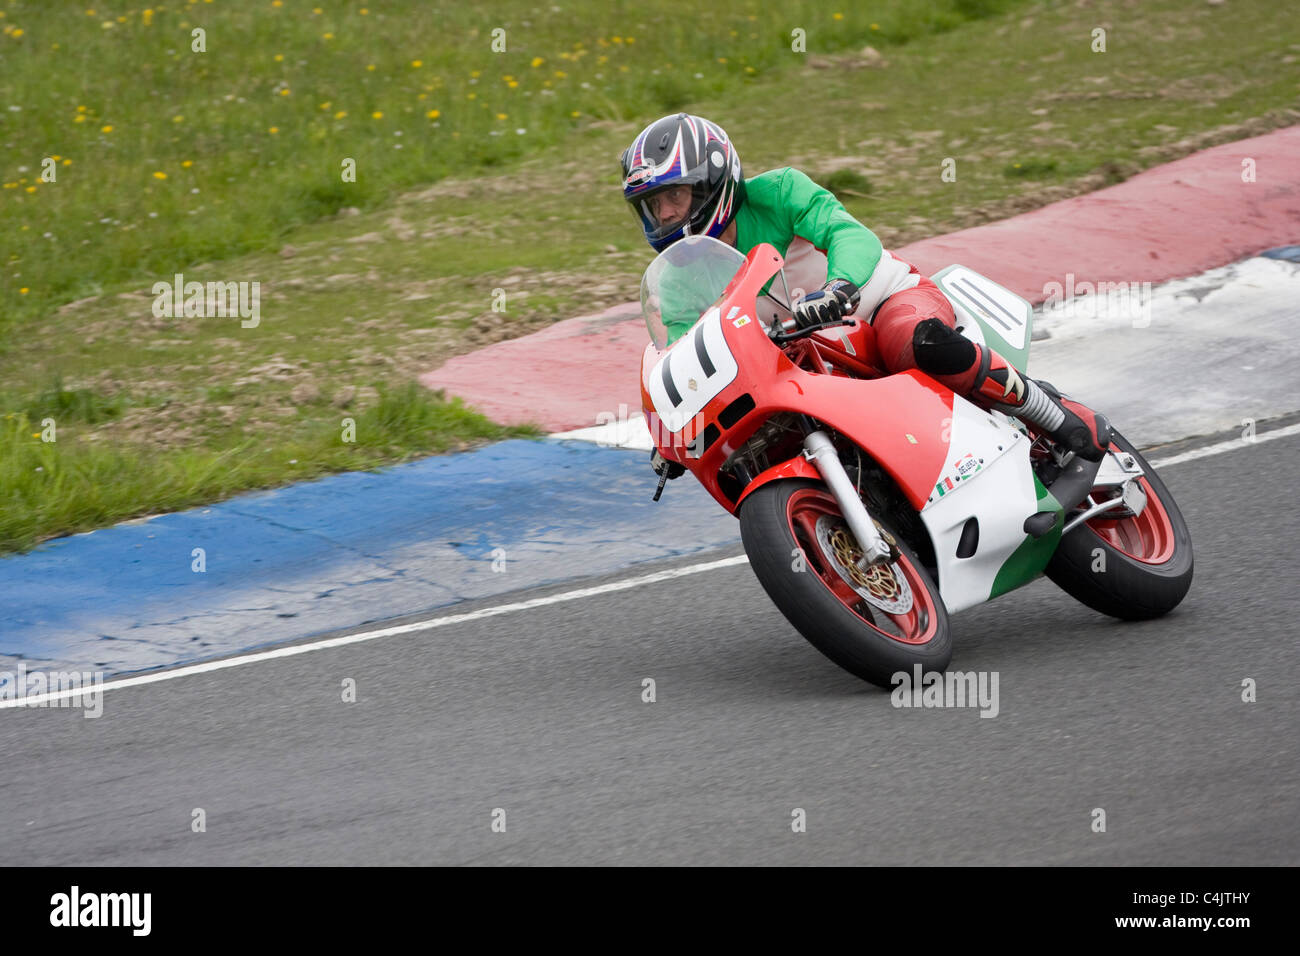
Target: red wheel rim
point(916, 625)
point(1148, 537)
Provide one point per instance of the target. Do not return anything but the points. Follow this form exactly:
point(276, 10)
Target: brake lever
point(663, 480)
point(783, 338)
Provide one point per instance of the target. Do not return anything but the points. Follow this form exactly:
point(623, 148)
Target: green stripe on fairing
point(1028, 560)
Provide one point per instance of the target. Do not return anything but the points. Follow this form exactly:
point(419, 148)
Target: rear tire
point(1147, 559)
point(792, 523)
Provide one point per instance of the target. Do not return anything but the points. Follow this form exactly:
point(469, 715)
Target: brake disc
point(881, 585)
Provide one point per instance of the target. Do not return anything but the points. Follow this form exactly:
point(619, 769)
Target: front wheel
point(1132, 567)
point(873, 623)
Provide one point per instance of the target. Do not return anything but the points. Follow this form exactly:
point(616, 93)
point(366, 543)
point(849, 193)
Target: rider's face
point(670, 205)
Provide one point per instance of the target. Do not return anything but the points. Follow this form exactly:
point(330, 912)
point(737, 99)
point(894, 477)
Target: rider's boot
point(943, 352)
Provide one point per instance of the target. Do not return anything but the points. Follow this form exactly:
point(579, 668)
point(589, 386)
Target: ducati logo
point(690, 383)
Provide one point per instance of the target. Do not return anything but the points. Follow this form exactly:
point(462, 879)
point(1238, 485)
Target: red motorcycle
point(871, 505)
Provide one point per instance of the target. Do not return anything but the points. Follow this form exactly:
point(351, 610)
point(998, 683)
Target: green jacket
point(775, 207)
point(783, 203)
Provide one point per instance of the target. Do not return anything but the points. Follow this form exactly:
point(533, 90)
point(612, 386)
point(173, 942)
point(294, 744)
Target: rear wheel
point(873, 622)
point(1130, 567)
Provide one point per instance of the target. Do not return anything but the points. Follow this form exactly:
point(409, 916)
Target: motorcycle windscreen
point(682, 283)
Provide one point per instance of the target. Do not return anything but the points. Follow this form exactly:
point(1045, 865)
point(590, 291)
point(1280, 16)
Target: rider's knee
point(940, 349)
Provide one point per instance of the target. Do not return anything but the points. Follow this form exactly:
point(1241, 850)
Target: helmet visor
point(669, 209)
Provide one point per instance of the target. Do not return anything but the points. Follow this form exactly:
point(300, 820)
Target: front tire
point(873, 624)
point(1132, 568)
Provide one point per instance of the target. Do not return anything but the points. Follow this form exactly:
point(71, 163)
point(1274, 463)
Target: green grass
point(846, 184)
point(367, 283)
point(72, 484)
point(251, 133)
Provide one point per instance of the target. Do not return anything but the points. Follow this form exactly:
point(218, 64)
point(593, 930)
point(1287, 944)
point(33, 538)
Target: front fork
point(819, 450)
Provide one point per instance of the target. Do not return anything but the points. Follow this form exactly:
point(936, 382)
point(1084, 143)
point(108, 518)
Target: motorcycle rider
point(682, 177)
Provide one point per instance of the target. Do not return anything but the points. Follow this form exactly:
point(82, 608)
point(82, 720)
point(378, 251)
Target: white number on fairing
point(692, 373)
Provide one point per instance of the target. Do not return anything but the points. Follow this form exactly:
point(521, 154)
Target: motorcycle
point(872, 506)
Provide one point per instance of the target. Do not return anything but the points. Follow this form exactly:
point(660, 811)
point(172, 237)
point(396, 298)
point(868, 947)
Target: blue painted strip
point(344, 551)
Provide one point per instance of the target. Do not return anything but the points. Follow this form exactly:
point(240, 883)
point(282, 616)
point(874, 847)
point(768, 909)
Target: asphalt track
point(540, 714)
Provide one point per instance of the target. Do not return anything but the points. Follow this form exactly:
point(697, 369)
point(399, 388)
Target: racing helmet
point(676, 150)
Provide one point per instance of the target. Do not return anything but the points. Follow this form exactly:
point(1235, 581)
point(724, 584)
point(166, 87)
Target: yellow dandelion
point(277, 3)
point(106, 129)
point(79, 118)
point(160, 175)
point(326, 105)
point(416, 64)
point(17, 32)
point(875, 26)
point(187, 163)
point(470, 96)
point(617, 39)
point(316, 10)
point(67, 162)
point(327, 36)
point(340, 114)
point(285, 91)
point(273, 130)
point(722, 59)
point(560, 74)
point(370, 67)
point(23, 291)
point(574, 114)
point(629, 40)
point(377, 114)
point(147, 16)
point(512, 83)
point(31, 189)
point(537, 61)
point(474, 74)
point(433, 114)
point(278, 58)
point(121, 19)
point(81, 109)
point(363, 11)
point(502, 116)
point(837, 16)
point(178, 118)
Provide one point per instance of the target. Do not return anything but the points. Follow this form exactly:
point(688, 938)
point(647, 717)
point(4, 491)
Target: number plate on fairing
point(692, 373)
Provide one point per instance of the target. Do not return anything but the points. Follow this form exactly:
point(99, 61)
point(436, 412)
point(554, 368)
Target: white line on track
point(1233, 445)
point(627, 583)
point(295, 649)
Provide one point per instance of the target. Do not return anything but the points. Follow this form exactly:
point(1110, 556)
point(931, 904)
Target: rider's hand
point(660, 464)
point(832, 301)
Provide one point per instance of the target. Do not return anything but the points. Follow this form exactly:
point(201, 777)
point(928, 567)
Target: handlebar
point(783, 338)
